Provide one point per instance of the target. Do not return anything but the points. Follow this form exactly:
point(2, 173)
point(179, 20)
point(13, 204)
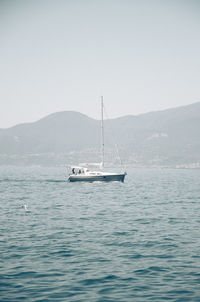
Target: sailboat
point(82, 173)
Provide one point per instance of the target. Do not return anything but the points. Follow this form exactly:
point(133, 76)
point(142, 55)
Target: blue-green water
point(132, 241)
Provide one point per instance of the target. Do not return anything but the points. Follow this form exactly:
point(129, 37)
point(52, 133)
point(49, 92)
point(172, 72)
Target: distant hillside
point(169, 136)
point(58, 132)
point(166, 137)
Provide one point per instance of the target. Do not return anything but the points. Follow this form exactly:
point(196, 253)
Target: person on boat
point(79, 171)
point(73, 171)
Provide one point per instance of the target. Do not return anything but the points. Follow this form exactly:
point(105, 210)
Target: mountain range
point(163, 138)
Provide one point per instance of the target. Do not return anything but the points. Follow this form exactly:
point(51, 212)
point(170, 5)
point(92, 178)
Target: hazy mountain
point(166, 137)
point(58, 132)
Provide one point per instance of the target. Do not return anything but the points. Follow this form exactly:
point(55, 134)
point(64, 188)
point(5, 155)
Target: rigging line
point(112, 138)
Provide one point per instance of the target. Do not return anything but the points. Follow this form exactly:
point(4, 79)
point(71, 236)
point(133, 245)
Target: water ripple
point(137, 241)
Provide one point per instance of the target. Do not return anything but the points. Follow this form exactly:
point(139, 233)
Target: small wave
point(62, 253)
point(55, 180)
point(105, 279)
point(26, 274)
point(32, 180)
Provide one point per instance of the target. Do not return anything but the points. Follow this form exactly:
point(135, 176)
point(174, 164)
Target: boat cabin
point(76, 170)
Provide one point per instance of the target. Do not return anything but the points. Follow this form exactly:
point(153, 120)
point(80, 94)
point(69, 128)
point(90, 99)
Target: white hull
point(102, 178)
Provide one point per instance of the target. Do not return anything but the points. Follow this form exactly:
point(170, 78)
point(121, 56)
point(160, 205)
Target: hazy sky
point(141, 55)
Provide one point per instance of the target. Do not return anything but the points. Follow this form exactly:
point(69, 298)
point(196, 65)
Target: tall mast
point(102, 134)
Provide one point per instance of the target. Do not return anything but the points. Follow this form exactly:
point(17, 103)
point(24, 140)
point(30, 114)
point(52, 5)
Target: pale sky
point(141, 55)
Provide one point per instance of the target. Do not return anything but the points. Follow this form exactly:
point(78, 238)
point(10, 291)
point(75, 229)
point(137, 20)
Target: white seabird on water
point(25, 208)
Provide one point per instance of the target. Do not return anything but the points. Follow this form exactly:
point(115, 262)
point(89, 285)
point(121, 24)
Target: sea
point(132, 241)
